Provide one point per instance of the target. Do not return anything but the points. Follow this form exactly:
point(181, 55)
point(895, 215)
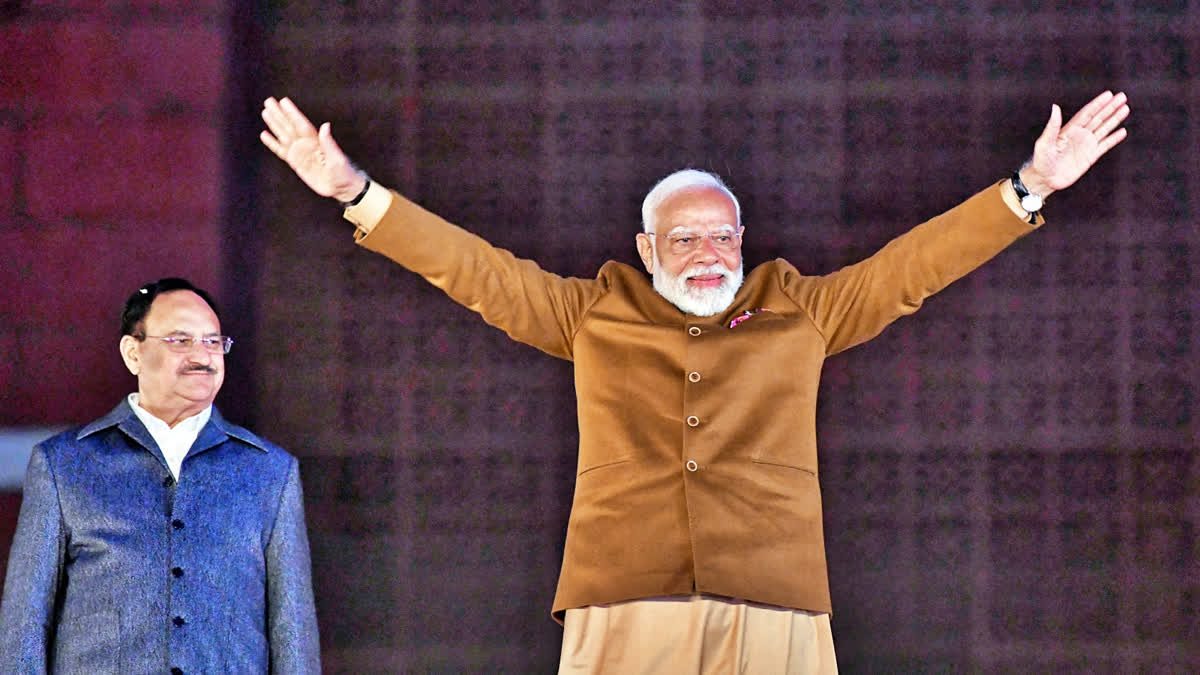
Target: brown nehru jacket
point(697, 443)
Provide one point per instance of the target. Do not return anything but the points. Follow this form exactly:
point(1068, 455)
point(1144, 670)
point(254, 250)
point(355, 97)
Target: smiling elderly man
point(694, 542)
point(161, 538)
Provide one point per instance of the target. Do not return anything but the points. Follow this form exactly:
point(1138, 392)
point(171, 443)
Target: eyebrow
point(692, 229)
point(187, 334)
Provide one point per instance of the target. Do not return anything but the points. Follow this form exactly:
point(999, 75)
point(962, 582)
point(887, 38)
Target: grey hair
point(681, 180)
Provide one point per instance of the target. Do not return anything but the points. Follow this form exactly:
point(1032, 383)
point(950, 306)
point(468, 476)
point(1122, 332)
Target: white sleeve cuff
point(367, 213)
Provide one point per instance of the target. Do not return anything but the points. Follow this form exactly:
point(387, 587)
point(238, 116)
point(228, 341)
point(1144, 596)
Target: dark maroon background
point(1010, 476)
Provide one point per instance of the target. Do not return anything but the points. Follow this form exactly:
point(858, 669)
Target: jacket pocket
point(602, 465)
point(88, 644)
point(766, 461)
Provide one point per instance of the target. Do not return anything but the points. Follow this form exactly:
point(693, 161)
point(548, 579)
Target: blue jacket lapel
point(123, 418)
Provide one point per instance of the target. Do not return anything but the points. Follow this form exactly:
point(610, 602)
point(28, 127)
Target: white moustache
point(698, 301)
point(702, 270)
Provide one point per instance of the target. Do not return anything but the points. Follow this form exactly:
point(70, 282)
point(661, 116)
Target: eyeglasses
point(682, 243)
point(182, 344)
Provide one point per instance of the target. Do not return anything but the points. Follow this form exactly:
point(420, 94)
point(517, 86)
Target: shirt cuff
point(1009, 194)
point(366, 214)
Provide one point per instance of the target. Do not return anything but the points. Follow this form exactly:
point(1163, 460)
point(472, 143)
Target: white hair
point(681, 180)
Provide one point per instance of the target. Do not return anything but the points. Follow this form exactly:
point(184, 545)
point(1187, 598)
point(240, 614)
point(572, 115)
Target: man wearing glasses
point(161, 538)
point(695, 538)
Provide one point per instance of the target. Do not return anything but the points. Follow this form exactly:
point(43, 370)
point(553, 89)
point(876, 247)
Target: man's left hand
point(1064, 153)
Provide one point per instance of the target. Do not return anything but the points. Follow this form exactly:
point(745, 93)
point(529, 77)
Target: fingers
point(1112, 120)
point(1110, 141)
point(276, 121)
point(1104, 125)
point(1087, 112)
point(272, 145)
point(297, 119)
point(278, 135)
point(1101, 117)
point(286, 124)
point(1115, 106)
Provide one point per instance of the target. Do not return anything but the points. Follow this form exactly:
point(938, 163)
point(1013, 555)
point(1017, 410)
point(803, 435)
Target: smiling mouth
point(707, 279)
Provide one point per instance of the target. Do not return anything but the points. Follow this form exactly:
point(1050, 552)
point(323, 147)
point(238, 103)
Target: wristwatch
point(1030, 202)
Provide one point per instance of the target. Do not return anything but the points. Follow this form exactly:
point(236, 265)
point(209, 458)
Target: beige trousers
point(697, 635)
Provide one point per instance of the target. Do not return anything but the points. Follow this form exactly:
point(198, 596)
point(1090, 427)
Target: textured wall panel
point(1009, 476)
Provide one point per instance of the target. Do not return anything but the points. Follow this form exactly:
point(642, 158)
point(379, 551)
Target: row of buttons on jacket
point(692, 420)
point(176, 572)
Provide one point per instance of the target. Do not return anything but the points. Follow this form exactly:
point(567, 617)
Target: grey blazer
point(116, 568)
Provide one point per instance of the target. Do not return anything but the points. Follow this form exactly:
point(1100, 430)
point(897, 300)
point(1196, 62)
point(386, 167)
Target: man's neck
point(170, 416)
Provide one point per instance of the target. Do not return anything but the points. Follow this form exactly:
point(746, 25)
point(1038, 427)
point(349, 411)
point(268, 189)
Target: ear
point(645, 247)
point(131, 353)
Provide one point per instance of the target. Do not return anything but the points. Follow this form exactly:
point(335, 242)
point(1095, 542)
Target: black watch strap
point(359, 198)
point(1030, 202)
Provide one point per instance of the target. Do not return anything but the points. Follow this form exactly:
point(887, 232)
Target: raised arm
point(858, 301)
point(533, 306)
point(312, 153)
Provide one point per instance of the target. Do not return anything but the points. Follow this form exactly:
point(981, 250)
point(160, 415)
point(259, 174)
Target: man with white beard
point(694, 543)
point(710, 282)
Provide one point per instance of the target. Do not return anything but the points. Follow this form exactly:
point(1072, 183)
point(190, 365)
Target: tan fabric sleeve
point(533, 306)
point(855, 303)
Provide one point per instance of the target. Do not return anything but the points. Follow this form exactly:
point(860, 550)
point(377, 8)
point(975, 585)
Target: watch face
point(1031, 203)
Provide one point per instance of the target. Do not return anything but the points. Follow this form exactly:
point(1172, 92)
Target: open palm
point(312, 154)
point(1063, 153)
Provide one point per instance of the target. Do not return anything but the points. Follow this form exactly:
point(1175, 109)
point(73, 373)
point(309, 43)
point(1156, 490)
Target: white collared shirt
point(173, 441)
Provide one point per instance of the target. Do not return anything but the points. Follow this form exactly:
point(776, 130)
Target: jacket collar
point(215, 432)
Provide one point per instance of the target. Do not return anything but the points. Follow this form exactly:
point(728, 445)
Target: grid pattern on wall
point(1010, 476)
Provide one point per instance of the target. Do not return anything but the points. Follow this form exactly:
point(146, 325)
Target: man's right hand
point(312, 154)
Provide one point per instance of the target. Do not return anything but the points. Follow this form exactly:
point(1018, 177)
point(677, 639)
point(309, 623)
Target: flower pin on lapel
point(747, 314)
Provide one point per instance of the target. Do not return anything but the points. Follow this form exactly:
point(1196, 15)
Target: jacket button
point(178, 621)
point(177, 524)
point(693, 376)
point(176, 572)
point(168, 481)
point(694, 331)
point(177, 671)
point(693, 421)
point(692, 465)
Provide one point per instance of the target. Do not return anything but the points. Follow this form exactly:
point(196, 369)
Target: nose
point(199, 353)
point(706, 253)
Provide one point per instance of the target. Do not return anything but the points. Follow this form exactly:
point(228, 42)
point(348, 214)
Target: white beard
point(698, 301)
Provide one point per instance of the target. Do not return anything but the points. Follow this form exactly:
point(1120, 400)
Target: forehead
point(699, 205)
point(181, 311)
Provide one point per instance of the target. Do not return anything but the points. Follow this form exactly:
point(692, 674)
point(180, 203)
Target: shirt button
point(692, 465)
point(176, 572)
point(694, 331)
point(178, 621)
point(693, 421)
point(177, 524)
point(693, 376)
